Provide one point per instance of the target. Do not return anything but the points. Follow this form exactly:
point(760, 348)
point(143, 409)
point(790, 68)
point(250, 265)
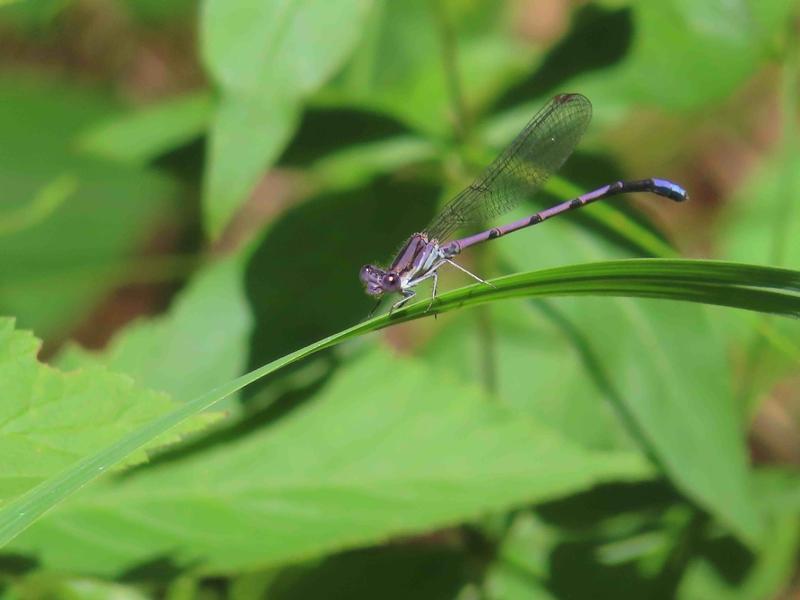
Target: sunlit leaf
point(51, 419)
point(728, 284)
point(202, 341)
point(688, 54)
point(364, 462)
point(649, 362)
point(266, 57)
point(409, 81)
point(246, 135)
point(139, 137)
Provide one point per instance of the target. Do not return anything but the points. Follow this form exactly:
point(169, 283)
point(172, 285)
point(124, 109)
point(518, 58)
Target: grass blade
point(751, 287)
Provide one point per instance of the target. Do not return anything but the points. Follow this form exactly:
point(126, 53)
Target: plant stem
point(755, 355)
point(451, 72)
point(461, 126)
point(789, 149)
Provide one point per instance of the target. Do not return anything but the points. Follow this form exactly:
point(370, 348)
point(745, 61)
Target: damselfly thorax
point(418, 260)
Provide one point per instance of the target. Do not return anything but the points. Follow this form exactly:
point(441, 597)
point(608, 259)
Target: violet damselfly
point(522, 168)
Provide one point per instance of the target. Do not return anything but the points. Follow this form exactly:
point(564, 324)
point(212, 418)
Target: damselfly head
point(377, 281)
point(371, 277)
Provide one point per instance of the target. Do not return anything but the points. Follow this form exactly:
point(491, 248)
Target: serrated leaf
point(201, 343)
point(365, 461)
point(727, 284)
point(51, 419)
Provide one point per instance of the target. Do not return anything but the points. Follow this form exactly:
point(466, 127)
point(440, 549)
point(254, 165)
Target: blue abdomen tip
point(671, 190)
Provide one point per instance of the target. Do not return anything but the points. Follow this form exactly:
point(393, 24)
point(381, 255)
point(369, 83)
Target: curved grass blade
point(751, 287)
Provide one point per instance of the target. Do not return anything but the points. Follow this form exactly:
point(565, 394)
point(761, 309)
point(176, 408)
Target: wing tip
point(569, 97)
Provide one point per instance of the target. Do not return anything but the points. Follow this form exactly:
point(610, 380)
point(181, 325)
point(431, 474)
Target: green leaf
point(249, 46)
point(744, 286)
point(561, 348)
point(520, 568)
point(716, 44)
point(760, 222)
point(364, 462)
point(266, 57)
point(44, 204)
point(420, 571)
point(288, 316)
point(649, 361)
point(51, 419)
point(398, 68)
point(31, 17)
point(680, 403)
point(48, 585)
point(663, 367)
point(618, 536)
point(762, 217)
point(237, 158)
point(675, 54)
point(158, 11)
point(139, 137)
point(769, 570)
point(560, 389)
point(202, 342)
point(357, 165)
point(71, 222)
point(684, 55)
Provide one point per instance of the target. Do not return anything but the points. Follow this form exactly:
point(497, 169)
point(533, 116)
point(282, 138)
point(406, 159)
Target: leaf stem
point(789, 99)
point(451, 71)
point(449, 52)
point(47, 200)
point(755, 356)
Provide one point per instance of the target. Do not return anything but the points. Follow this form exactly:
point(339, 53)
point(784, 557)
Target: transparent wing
point(536, 153)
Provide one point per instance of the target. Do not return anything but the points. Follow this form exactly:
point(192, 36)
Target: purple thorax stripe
point(405, 260)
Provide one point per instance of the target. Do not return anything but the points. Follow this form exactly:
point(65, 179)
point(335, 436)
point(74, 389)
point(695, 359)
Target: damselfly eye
point(391, 281)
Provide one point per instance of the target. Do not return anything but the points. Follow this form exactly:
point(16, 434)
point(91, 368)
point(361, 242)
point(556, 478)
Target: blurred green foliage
point(231, 163)
point(62, 249)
